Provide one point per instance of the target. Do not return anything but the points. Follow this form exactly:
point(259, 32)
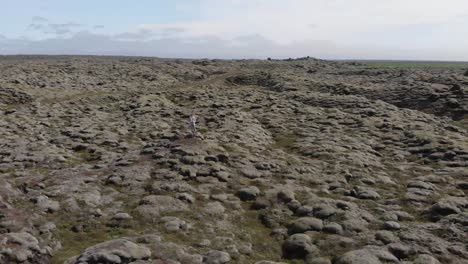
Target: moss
point(416, 65)
point(284, 141)
point(84, 155)
point(70, 163)
point(8, 107)
point(249, 228)
point(265, 247)
point(463, 123)
point(79, 95)
point(260, 185)
point(132, 139)
point(180, 238)
point(11, 172)
point(203, 130)
point(74, 243)
point(94, 231)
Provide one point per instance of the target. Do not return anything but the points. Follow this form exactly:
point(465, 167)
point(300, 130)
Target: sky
point(327, 29)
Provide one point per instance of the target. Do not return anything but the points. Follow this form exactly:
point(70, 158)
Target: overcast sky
point(329, 29)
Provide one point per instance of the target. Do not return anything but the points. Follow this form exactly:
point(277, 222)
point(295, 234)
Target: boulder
point(386, 237)
point(154, 205)
point(392, 225)
point(285, 196)
point(248, 193)
point(216, 257)
point(115, 251)
point(305, 224)
point(361, 256)
point(365, 193)
point(333, 228)
point(448, 206)
point(20, 248)
point(425, 259)
point(122, 217)
point(46, 204)
point(324, 211)
point(298, 246)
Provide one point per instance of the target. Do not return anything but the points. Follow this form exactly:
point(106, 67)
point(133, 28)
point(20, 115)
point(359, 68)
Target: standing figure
point(193, 125)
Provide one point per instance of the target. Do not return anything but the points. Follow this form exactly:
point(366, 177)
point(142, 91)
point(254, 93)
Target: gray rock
point(204, 243)
point(319, 261)
point(20, 248)
point(248, 193)
point(268, 262)
point(354, 225)
point(154, 205)
point(399, 250)
point(298, 246)
point(251, 173)
point(186, 197)
point(462, 185)
point(421, 185)
point(188, 171)
point(246, 249)
point(333, 228)
point(366, 193)
point(174, 224)
point(449, 205)
point(305, 210)
point(382, 254)
point(122, 217)
point(44, 203)
point(386, 237)
point(324, 211)
point(305, 224)
point(216, 257)
point(392, 225)
point(286, 196)
point(261, 203)
point(214, 208)
point(361, 256)
point(404, 216)
point(293, 205)
point(114, 251)
point(425, 259)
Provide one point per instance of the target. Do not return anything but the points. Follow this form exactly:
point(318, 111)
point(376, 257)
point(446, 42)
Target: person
point(193, 125)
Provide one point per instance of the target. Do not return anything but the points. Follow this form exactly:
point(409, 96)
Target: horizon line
point(207, 58)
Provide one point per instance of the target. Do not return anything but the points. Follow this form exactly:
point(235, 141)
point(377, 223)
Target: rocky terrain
point(296, 161)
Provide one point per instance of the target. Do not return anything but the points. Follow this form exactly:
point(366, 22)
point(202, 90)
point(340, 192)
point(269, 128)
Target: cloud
point(34, 26)
point(140, 34)
point(61, 29)
point(154, 32)
point(384, 26)
point(42, 25)
point(39, 19)
point(387, 29)
point(37, 23)
point(175, 29)
point(85, 42)
point(211, 46)
point(295, 20)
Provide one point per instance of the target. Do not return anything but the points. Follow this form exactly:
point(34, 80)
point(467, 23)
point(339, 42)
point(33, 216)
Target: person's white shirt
point(193, 119)
point(193, 124)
